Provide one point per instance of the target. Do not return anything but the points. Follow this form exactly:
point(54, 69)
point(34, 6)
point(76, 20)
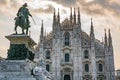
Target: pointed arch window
point(86, 68)
point(47, 54)
point(48, 67)
point(67, 57)
point(67, 39)
point(100, 67)
point(86, 54)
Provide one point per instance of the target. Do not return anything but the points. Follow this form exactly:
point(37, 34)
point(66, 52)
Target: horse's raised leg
point(15, 29)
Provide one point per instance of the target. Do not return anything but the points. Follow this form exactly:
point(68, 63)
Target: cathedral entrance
point(67, 77)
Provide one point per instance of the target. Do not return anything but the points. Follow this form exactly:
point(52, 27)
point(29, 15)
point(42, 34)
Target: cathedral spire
point(105, 39)
point(71, 15)
point(58, 17)
point(92, 29)
point(79, 20)
point(42, 33)
point(74, 16)
point(54, 17)
point(109, 38)
point(42, 29)
point(92, 37)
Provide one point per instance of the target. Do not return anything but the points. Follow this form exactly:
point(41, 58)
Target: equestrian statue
point(22, 19)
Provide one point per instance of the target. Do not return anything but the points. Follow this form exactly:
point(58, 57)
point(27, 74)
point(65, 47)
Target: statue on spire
point(22, 19)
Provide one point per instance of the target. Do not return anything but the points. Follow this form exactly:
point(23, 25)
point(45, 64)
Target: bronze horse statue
point(20, 21)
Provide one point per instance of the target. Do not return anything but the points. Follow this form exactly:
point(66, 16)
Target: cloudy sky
point(105, 14)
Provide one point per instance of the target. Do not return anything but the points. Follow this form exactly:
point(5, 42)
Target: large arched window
point(48, 67)
point(86, 54)
point(86, 68)
point(67, 39)
point(100, 67)
point(67, 57)
point(47, 54)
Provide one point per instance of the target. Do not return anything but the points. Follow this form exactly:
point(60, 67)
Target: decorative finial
point(58, 16)
point(42, 28)
point(105, 39)
point(92, 30)
point(79, 21)
point(54, 17)
point(109, 38)
point(74, 17)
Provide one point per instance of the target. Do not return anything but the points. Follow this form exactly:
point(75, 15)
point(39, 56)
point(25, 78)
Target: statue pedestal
point(16, 70)
point(17, 66)
point(21, 47)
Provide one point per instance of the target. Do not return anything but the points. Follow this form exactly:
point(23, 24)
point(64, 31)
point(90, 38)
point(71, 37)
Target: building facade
point(70, 53)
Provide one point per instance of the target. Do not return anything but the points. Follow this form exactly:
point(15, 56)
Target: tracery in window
point(47, 54)
point(86, 68)
point(67, 39)
point(67, 57)
point(86, 54)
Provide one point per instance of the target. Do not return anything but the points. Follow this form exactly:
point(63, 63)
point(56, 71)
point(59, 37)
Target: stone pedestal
point(19, 63)
point(16, 70)
point(21, 47)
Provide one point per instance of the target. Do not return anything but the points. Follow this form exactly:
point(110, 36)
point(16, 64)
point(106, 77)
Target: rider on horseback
point(25, 12)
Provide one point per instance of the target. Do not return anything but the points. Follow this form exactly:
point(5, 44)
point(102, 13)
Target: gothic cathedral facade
point(70, 53)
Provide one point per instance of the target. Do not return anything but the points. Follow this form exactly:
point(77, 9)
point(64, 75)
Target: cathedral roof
point(85, 39)
point(99, 47)
point(66, 24)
